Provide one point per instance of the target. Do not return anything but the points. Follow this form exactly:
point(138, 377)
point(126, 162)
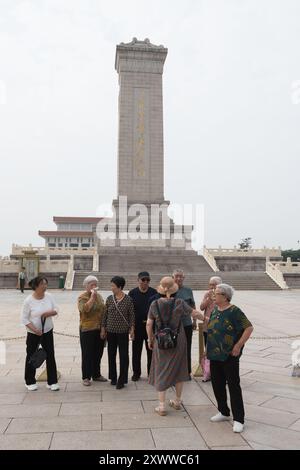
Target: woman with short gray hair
point(227, 332)
point(91, 309)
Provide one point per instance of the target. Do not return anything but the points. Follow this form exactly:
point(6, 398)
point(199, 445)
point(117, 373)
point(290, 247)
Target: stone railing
point(263, 252)
point(70, 275)
point(288, 266)
point(209, 258)
point(47, 250)
point(9, 266)
point(54, 266)
point(276, 275)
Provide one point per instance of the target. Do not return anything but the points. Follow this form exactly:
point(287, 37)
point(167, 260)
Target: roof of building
point(69, 233)
point(77, 220)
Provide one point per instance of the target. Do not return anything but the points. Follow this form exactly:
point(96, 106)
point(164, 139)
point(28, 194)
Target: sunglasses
point(145, 279)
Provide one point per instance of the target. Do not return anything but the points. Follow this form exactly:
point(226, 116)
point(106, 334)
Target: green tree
point(293, 254)
point(245, 244)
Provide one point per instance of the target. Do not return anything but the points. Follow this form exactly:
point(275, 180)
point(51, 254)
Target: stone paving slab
point(178, 439)
point(285, 404)
point(127, 395)
point(54, 424)
point(4, 422)
point(107, 407)
point(288, 391)
point(145, 421)
point(273, 378)
point(232, 448)
point(214, 434)
point(39, 441)
point(111, 440)
point(12, 398)
point(62, 397)
point(272, 436)
point(274, 417)
point(27, 411)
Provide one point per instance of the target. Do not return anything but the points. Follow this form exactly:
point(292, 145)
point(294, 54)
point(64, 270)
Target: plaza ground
point(101, 417)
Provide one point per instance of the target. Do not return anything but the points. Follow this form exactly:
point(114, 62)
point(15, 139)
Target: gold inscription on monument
point(139, 150)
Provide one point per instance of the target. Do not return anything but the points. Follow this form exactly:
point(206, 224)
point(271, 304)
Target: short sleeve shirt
point(223, 331)
point(186, 294)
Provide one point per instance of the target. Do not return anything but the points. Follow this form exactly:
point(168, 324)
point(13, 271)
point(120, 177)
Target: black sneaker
point(119, 386)
point(113, 382)
point(135, 377)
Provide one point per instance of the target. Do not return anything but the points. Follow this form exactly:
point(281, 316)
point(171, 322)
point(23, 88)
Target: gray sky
point(231, 112)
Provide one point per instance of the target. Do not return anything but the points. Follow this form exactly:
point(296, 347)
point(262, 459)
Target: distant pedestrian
point(22, 278)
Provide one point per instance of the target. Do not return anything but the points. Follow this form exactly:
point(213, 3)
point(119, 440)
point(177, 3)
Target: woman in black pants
point(37, 307)
point(117, 324)
point(91, 308)
point(227, 332)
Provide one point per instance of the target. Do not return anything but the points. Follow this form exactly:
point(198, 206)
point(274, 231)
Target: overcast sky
point(231, 112)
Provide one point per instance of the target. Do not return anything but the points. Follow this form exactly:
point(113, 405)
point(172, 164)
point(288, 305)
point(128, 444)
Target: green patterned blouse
point(223, 332)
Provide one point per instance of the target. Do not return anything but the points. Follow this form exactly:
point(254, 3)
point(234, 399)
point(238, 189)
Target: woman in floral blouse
point(227, 332)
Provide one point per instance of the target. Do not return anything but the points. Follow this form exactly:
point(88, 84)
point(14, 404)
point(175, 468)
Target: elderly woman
point(169, 367)
point(38, 308)
point(118, 326)
point(91, 308)
point(209, 302)
point(228, 330)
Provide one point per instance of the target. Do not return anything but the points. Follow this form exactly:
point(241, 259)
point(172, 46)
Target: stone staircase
point(197, 281)
point(247, 280)
point(292, 280)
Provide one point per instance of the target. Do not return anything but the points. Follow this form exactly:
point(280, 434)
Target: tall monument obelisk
point(140, 144)
point(141, 155)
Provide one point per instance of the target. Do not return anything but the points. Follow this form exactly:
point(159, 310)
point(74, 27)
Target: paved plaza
point(101, 417)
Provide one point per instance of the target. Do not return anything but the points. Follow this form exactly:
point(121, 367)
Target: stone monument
point(142, 235)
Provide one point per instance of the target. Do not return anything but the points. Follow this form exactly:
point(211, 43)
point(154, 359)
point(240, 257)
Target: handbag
point(205, 365)
point(39, 356)
point(166, 337)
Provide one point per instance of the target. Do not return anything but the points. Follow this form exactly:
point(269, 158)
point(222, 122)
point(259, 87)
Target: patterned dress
point(168, 367)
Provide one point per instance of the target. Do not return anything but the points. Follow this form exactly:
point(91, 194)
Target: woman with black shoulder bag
point(118, 327)
point(169, 358)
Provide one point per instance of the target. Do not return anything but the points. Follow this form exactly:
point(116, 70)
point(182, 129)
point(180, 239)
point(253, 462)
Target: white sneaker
point(32, 387)
point(219, 417)
point(237, 427)
point(53, 387)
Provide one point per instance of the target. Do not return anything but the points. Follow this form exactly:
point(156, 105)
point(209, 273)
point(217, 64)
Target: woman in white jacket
point(37, 307)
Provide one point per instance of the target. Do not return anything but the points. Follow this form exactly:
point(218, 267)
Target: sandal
point(175, 404)
point(160, 411)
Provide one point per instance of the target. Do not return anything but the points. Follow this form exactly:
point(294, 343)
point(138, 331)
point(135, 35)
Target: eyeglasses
point(145, 279)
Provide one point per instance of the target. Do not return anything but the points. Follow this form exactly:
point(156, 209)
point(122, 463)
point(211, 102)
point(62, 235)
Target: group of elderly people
point(141, 316)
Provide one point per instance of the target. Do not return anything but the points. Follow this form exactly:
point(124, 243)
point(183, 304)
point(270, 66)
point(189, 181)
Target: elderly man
point(209, 302)
point(186, 294)
point(140, 297)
